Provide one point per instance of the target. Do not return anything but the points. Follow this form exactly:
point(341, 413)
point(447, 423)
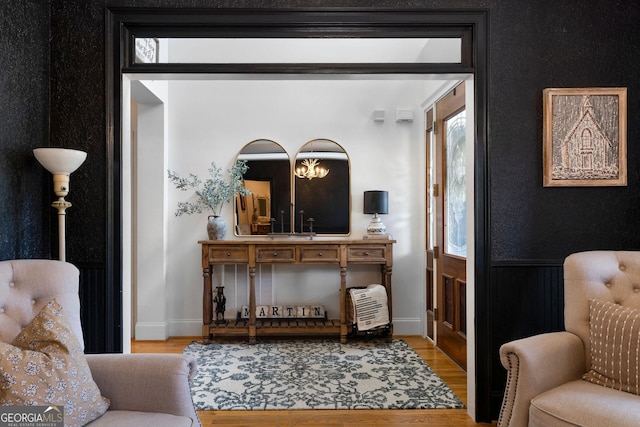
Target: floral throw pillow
point(615, 346)
point(46, 366)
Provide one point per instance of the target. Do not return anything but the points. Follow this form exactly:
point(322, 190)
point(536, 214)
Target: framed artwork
point(585, 137)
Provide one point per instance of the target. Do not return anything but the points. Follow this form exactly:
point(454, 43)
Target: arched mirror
point(267, 209)
point(322, 188)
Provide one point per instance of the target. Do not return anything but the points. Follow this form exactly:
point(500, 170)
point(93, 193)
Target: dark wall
point(563, 45)
point(537, 45)
point(24, 121)
point(532, 45)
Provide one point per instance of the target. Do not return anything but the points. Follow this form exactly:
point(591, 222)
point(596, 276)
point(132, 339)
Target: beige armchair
point(143, 389)
point(545, 385)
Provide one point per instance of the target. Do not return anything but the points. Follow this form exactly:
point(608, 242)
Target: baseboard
point(151, 331)
point(407, 326)
point(185, 328)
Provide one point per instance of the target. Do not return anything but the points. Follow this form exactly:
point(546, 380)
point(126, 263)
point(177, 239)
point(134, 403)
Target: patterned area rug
point(312, 374)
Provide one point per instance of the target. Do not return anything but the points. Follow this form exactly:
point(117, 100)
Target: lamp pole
point(61, 204)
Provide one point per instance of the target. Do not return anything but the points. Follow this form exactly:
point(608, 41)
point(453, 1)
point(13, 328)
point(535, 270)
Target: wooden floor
point(451, 373)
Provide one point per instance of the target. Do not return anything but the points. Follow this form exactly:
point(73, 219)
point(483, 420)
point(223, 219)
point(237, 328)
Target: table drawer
point(319, 254)
point(228, 254)
point(276, 254)
point(365, 254)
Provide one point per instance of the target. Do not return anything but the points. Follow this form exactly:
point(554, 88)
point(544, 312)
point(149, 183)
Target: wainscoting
point(523, 300)
point(100, 311)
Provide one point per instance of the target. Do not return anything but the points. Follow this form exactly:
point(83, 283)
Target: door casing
point(124, 23)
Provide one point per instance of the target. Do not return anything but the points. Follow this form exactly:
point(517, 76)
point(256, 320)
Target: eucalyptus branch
point(212, 193)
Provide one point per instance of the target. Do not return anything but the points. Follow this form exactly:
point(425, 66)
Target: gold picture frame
point(585, 137)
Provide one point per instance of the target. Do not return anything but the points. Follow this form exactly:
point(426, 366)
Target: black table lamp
point(376, 202)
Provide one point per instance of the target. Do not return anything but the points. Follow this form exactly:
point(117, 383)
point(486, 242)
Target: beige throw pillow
point(45, 365)
point(615, 344)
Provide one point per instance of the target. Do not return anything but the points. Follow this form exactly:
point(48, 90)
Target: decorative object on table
point(61, 162)
point(585, 137)
point(211, 194)
point(327, 200)
point(285, 312)
point(315, 374)
point(221, 305)
point(376, 202)
point(216, 227)
point(367, 307)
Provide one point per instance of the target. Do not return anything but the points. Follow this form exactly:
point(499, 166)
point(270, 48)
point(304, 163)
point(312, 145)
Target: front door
point(450, 221)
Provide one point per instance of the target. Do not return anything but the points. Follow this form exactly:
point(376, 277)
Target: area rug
point(315, 374)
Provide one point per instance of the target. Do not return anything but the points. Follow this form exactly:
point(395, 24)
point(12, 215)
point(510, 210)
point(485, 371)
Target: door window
point(456, 202)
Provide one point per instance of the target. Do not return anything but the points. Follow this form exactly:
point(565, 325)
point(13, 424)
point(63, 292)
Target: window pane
point(455, 196)
point(299, 50)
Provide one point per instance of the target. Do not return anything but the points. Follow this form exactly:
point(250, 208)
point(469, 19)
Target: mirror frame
point(262, 225)
point(288, 219)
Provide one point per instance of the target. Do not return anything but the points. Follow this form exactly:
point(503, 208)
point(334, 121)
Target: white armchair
point(142, 389)
point(545, 385)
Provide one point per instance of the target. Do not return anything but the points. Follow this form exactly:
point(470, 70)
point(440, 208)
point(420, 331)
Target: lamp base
point(62, 205)
point(376, 227)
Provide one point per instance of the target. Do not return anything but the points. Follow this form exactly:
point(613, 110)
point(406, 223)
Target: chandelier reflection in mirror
point(311, 169)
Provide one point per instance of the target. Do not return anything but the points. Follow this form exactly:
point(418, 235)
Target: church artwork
point(585, 137)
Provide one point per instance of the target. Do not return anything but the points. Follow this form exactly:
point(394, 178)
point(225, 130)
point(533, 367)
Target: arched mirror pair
point(313, 197)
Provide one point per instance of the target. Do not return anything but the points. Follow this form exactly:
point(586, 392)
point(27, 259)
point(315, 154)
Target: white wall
point(149, 155)
point(212, 120)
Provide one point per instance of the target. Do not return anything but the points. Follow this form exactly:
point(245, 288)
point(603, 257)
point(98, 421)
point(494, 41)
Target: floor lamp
point(61, 162)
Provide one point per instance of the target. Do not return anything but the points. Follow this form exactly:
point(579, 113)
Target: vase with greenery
point(211, 194)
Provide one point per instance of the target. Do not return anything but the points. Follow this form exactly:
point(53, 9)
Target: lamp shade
point(376, 202)
point(60, 161)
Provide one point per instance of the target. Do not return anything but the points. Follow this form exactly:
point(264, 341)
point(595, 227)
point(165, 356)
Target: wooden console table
point(342, 253)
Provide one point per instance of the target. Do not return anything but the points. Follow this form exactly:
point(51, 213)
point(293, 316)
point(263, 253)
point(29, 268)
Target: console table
point(342, 253)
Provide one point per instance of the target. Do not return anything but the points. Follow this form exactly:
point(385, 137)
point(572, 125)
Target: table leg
point(252, 305)
point(207, 301)
point(343, 303)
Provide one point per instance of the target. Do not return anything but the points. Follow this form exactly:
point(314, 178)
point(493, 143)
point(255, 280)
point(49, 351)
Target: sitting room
point(365, 119)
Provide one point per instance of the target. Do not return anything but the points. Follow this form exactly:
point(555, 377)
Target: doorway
point(123, 24)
